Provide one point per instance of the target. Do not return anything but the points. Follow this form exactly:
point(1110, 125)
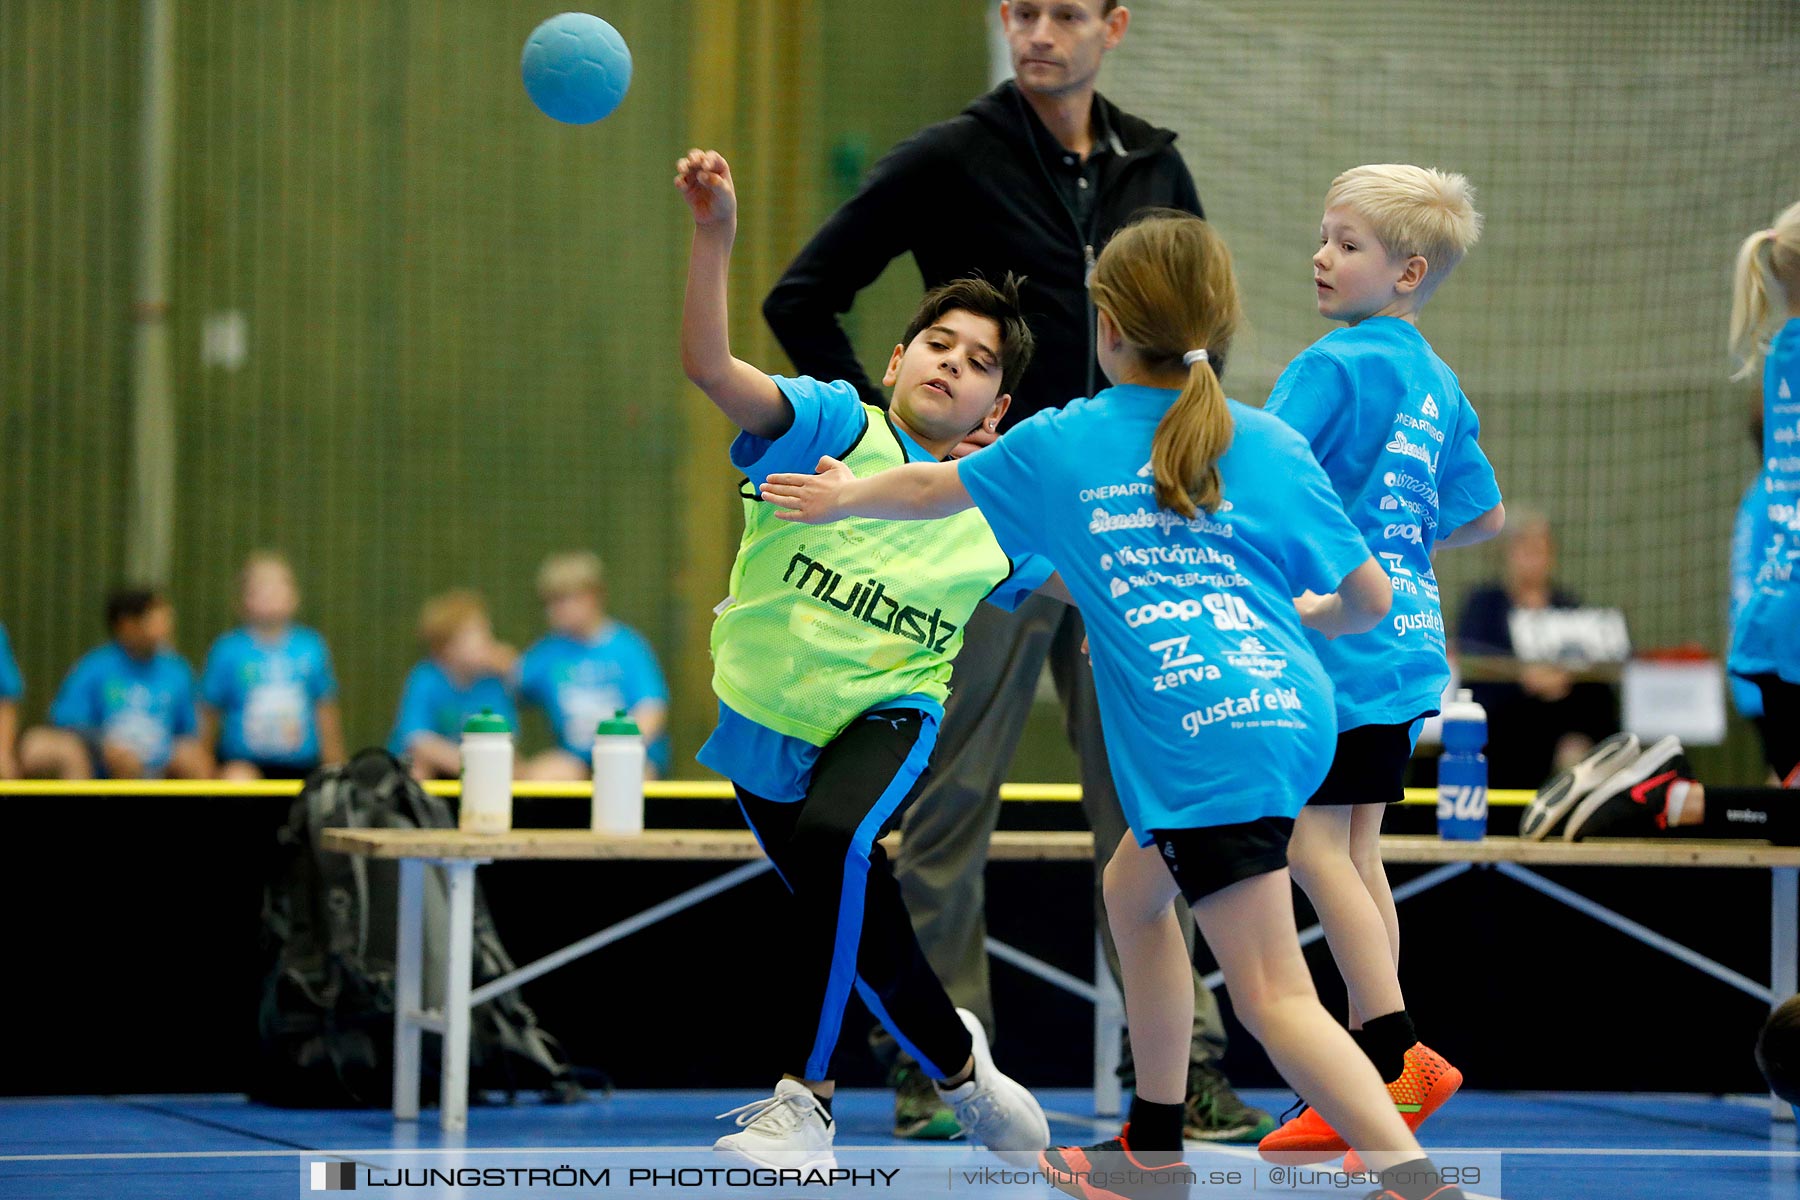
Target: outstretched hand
point(810, 499)
point(704, 179)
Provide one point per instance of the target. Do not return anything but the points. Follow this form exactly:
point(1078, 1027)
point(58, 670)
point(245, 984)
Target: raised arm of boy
point(740, 391)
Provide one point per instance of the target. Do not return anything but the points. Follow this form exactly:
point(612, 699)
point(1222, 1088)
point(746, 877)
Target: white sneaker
point(1556, 799)
point(788, 1130)
point(994, 1110)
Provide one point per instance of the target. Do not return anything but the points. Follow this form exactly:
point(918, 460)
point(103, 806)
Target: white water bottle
point(618, 776)
point(487, 769)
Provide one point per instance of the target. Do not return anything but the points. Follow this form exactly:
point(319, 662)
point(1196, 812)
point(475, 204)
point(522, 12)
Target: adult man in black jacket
point(1031, 178)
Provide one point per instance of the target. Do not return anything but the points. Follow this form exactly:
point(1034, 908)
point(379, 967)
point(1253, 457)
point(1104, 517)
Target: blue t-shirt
point(1390, 424)
point(1767, 638)
point(432, 702)
point(142, 704)
point(1214, 707)
point(828, 419)
point(580, 684)
point(12, 684)
point(1749, 535)
point(267, 694)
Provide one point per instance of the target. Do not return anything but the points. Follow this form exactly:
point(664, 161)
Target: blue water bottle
point(1462, 771)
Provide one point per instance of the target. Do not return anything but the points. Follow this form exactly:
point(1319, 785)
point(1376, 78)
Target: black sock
point(824, 1103)
point(1155, 1131)
point(1762, 814)
point(1386, 1040)
point(1416, 1180)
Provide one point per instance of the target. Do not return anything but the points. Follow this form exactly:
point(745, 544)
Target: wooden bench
point(458, 854)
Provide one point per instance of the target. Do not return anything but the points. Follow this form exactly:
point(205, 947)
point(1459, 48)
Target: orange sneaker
point(1428, 1081)
point(1423, 1087)
point(1307, 1138)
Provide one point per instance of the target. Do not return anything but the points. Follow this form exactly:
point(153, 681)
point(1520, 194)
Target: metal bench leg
point(453, 1107)
point(409, 966)
point(1784, 951)
point(1109, 1022)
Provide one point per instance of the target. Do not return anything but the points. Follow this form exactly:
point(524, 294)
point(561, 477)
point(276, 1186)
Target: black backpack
point(326, 1023)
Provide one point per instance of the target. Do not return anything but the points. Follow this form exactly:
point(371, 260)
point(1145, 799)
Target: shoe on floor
point(1423, 1087)
point(1554, 801)
point(1303, 1138)
point(993, 1109)
point(1216, 1113)
point(1073, 1170)
point(1632, 803)
point(920, 1114)
point(789, 1130)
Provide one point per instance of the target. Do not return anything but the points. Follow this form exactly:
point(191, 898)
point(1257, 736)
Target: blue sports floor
point(1564, 1145)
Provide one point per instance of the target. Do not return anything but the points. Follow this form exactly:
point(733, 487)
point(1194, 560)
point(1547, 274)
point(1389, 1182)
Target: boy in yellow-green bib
point(831, 661)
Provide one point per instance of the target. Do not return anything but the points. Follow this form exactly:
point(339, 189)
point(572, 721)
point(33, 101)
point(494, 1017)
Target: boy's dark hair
point(129, 603)
point(999, 303)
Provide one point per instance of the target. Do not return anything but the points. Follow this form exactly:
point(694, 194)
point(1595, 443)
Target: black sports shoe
point(1216, 1113)
point(1557, 798)
point(920, 1113)
point(1633, 803)
point(1122, 1175)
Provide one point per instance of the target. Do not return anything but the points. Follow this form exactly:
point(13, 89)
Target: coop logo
point(1257, 701)
point(1408, 532)
point(1430, 407)
point(1425, 427)
point(1417, 487)
point(1254, 658)
point(869, 603)
point(1408, 449)
point(1168, 610)
point(333, 1177)
point(1405, 623)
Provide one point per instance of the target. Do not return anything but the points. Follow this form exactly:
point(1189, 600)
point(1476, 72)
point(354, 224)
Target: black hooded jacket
point(974, 194)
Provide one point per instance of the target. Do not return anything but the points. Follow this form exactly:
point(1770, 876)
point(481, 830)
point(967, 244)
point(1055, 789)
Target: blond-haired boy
point(1388, 421)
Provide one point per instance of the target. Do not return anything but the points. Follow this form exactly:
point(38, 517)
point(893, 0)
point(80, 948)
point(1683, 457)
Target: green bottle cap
point(619, 724)
point(486, 721)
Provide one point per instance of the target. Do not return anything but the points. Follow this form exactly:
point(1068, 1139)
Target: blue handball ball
point(576, 68)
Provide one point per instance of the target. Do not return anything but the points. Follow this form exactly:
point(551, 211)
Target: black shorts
point(1780, 723)
point(1369, 767)
point(1212, 858)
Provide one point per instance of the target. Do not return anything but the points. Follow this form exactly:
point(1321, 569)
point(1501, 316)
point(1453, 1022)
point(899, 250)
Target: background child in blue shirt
point(587, 668)
point(1184, 525)
point(12, 686)
point(464, 672)
point(1390, 425)
point(1765, 327)
point(126, 709)
point(268, 694)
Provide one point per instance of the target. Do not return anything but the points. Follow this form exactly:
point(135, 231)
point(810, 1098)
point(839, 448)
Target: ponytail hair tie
point(1192, 357)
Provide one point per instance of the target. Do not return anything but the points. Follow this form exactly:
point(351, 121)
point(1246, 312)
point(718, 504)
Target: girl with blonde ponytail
point(1765, 330)
point(1184, 524)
